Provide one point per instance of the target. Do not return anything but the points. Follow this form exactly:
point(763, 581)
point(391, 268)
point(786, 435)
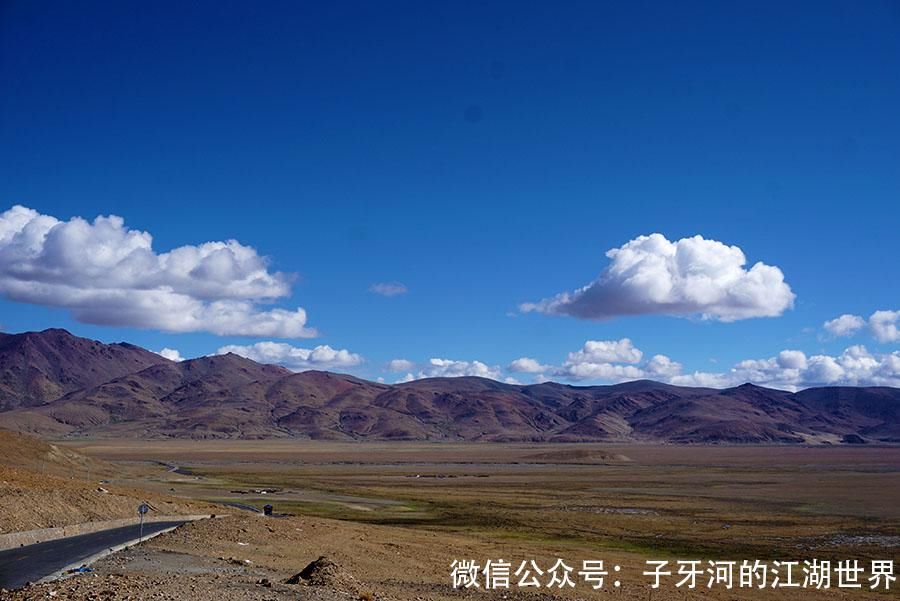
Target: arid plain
point(396, 515)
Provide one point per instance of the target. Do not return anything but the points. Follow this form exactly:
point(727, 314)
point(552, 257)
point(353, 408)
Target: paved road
point(33, 562)
point(242, 506)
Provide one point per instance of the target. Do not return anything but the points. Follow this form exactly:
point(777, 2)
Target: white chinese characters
point(495, 574)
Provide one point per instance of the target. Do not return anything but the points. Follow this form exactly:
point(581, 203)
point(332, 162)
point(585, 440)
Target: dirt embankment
point(43, 485)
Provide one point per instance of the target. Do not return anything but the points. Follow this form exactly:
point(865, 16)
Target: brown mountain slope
point(36, 367)
point(874, 412)
point(215, 396)
point(231, 397)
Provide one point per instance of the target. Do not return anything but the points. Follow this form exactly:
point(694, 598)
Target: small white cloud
point(691, 276)
point(792, 360)
point(884, 325)
point(845, 325)
point(400, 365)
point(614, 361)
point(600, 371)
point(107, 274)
point(527, 365)
point(171, 354)
point(294, 358)
point(450, 368)
point(607, 351)
point(661, 367)
point(388, 288)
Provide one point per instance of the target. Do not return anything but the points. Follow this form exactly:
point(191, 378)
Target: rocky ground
point(248, 557)
point(252, 558)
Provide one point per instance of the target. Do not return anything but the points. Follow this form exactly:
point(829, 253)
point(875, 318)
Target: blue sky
point(484, 156)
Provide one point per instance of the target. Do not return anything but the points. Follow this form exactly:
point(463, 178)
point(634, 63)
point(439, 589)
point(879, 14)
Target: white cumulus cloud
point(171, 354)
point(450, 368)
point(295, 358)
point(527, 365)
point(794, 370)
point(107, 274)
point(614, 361)
point(607, 351)
point(600, 371)
point(600, 360)
point(791, 360)
point(660, 367)
point(790, 369)
point(690, 276)
point(884, 325)
point(845, 325)
point(400, 365)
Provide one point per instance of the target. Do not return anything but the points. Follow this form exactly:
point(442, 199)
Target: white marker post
point(142, 509)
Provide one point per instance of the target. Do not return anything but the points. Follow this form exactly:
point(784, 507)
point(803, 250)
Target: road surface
point(33, 562)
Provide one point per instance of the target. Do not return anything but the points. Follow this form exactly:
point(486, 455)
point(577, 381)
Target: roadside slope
point(45, 486)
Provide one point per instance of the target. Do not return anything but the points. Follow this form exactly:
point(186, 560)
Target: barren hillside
point(228, 396)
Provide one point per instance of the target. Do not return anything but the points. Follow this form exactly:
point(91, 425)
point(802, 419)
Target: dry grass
point(420, 505)
point(726, 500)
point(46, 485)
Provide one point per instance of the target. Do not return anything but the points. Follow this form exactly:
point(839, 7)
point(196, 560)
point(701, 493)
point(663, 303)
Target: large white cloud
point(691, 276)
point(108, 274)
point(883, 325)
point(295, 358)
point(793, 370)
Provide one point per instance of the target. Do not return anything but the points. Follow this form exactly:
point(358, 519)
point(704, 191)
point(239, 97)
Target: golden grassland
point(665, 501)
point(395, 515)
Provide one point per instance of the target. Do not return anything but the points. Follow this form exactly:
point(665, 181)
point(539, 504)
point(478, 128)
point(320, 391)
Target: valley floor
point(393, 517)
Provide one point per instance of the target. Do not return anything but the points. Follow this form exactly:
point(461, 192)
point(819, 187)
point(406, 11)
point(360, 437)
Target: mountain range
point(55, 384)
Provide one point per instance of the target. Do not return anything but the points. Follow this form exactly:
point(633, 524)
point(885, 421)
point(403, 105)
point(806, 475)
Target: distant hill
point(53, 383)
point(36, 367)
